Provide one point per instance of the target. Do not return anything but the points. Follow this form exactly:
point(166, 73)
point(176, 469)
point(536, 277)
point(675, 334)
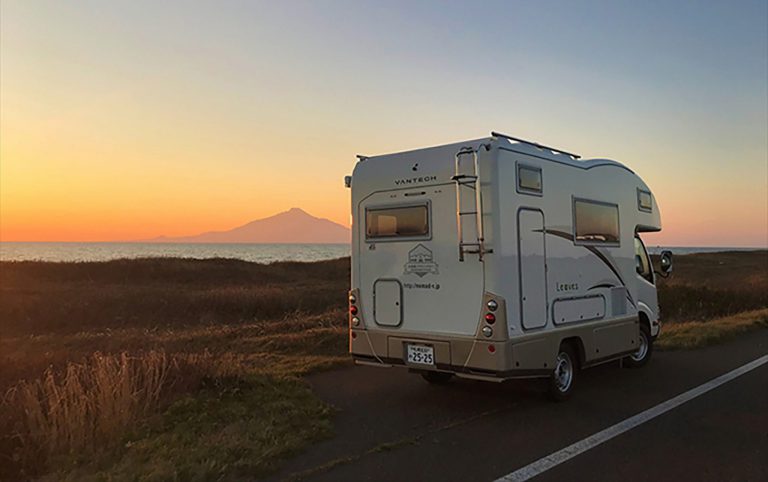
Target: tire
point(563, 376)
point(437, 378)
point(644, 350)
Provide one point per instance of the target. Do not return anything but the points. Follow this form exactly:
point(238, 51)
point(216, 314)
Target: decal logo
point(420, 262)
point(567, 286)
point(415, 180)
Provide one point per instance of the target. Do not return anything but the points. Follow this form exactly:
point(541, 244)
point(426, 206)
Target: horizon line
point(320, 242)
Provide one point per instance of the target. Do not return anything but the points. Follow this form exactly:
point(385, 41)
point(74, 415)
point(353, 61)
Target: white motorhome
point(500, 258)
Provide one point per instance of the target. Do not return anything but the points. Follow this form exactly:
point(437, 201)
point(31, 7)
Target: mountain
point(292, 226)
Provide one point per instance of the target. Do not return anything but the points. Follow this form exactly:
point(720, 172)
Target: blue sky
point(201, 98)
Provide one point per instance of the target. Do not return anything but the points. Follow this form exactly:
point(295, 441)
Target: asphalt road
point(393, 426)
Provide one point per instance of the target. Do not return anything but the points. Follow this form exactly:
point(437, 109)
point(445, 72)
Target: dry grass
point(90, 403)
point(93, 352)
point(80, 411)
point(290, 345)
point(186, 369)
point(43, 298)
point(712, 285)
point(86, 407)
point(695, 334)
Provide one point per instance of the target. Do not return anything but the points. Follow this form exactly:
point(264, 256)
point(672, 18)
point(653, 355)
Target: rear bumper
point(524, 355)
point(460, 371)
point(464, 356)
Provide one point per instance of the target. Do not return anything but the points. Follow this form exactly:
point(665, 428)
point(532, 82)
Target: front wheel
point(644, 349)
point(563, 376)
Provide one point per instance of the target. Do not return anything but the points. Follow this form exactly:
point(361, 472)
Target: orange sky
point(119, 126)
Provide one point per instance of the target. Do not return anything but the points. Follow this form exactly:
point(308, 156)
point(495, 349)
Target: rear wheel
point(644, 349)
point(437, 378)
point(563, 376)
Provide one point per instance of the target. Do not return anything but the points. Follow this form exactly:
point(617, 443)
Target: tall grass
point(683, 303)
point(41, 297)
point(87, 407)
point(187, 322)
point(90, 403)
point(695, 334)
point(712, 285)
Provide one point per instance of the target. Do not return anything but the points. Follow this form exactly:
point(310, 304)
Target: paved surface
point(392, 426)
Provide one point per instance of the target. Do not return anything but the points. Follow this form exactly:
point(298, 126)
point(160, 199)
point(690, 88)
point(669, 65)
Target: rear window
point(397, 222)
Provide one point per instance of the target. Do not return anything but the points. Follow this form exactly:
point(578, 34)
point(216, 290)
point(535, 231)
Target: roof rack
point(535, 144)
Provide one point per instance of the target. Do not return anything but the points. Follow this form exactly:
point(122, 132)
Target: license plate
point(421, 355)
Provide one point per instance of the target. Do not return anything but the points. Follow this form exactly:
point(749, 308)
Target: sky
point(131, 119)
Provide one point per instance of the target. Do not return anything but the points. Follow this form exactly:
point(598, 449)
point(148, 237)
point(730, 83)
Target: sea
point(258, 253)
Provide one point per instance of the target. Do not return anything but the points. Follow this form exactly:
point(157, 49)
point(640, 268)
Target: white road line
point(554, 459)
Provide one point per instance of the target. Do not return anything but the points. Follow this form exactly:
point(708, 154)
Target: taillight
point(490, 318)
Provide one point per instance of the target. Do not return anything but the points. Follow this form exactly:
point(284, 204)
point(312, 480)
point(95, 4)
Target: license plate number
point(421, 355)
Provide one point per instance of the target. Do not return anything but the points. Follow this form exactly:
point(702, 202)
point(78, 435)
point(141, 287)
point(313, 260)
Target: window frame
point(609, 244)
point(524, 190)
point(393, 239)
point(640, 206)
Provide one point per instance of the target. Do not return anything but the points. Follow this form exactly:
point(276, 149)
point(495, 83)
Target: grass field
point(697, 334)
point(711, 285)
point(200, 358)
point(190, 369)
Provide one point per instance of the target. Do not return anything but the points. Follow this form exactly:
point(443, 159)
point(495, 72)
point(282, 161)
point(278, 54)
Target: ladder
point(463, 182)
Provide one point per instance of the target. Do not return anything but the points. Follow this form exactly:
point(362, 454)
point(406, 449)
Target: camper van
point(500, 258)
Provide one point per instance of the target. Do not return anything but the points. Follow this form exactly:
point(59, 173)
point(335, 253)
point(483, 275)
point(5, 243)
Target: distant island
point(292, 226)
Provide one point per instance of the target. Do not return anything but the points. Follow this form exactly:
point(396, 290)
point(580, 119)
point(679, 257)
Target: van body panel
point(426, 265)
point(574, 310)
point(531, 354)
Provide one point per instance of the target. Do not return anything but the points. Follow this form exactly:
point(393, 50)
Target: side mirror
point(666, 262)
point(638, 264)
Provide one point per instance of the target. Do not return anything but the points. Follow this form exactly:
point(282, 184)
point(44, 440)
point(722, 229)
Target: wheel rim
point(642, 350)
point(563, 372)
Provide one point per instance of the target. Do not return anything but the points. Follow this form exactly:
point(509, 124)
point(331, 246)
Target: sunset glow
point(130, 120)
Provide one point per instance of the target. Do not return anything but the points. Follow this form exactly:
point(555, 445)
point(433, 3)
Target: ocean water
point(259, 253)
point(680, 250)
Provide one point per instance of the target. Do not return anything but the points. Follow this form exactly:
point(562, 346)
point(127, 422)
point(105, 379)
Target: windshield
point(644, 268)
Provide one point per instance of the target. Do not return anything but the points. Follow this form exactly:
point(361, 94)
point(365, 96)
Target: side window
point(644, 202)
point(529, 180)
point(595, 222)
point(642, 262)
